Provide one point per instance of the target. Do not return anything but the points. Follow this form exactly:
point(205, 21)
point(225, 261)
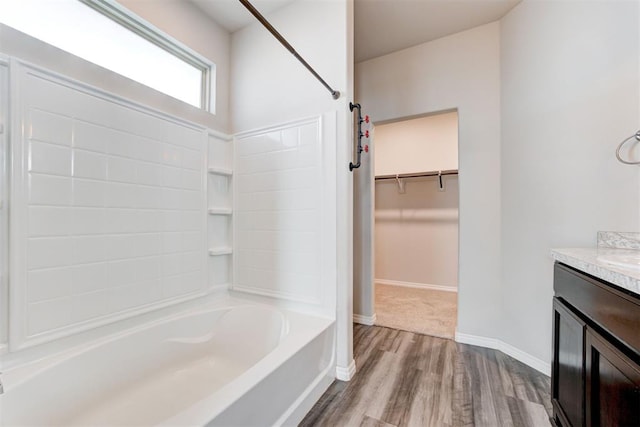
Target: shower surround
point(123, 221)
point(145, 230)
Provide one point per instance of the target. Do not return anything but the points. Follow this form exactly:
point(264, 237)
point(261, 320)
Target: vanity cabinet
point(567, 385)
point(595, 378)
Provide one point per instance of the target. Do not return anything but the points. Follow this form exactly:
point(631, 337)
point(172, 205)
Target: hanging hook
point(400, 182)
point(440, 183)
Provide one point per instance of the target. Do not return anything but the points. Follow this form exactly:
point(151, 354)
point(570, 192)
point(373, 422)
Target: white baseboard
point(508, 349)
point(417, 285)
point(346, 374)
point(365, 320)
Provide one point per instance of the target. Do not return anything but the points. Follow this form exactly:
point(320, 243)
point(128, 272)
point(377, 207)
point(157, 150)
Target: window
point(103, 32)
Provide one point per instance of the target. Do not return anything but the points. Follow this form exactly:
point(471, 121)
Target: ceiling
point(232, 15)
point(381, 26)
point(384, 26)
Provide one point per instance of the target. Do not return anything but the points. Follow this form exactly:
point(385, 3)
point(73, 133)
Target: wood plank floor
point(409, 379)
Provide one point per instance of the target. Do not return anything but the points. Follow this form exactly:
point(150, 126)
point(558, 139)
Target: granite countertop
point(589, 260)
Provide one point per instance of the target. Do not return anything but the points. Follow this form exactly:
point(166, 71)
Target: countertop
point(609, 243)
point(586, 259)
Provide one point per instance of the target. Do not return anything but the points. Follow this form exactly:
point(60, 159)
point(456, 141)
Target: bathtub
point(227, 363)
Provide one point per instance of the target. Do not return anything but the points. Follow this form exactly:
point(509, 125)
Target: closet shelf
point(223, 250)
point(220, 211)
point(220, 171)
point(418, 174)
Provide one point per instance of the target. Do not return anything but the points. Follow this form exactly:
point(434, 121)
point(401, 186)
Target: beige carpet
point(424, 311)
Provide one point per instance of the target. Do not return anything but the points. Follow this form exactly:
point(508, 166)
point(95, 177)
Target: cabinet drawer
point(615, 311)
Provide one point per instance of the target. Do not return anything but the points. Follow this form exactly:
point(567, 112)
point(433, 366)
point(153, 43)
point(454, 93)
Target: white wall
point(363, 231)
point(189, 25)
point(417, 233)
point(270, 87)
point(569, 95)
point(4, 245)
point(460, 71)
point(417, 145)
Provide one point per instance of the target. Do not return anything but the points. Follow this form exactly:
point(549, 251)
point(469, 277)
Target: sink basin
point(631, 261)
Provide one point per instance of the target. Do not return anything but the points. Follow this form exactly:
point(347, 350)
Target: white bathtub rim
point(15, 376)
point(283, 304)
point(206, 409)
point(301, 329)
point(47, 352)
point(32, 369)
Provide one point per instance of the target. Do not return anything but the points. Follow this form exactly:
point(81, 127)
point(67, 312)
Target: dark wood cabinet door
point(613, 384)
point(567, 378)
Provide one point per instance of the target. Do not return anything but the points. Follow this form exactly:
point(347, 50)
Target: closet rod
point(418, 174)
point(334, 93)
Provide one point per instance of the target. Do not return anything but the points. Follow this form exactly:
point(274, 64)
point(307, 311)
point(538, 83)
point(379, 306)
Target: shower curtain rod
point(334, 93)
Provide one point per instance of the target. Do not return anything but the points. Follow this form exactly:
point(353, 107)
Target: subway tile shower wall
point(278, 212)
point(109, 204)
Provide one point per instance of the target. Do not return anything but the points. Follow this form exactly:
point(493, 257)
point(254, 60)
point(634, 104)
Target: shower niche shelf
point(220, 211)
point(220, 171)
point(222, 250)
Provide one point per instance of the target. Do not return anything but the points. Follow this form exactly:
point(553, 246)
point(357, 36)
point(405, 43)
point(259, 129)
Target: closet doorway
point(416, 224)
